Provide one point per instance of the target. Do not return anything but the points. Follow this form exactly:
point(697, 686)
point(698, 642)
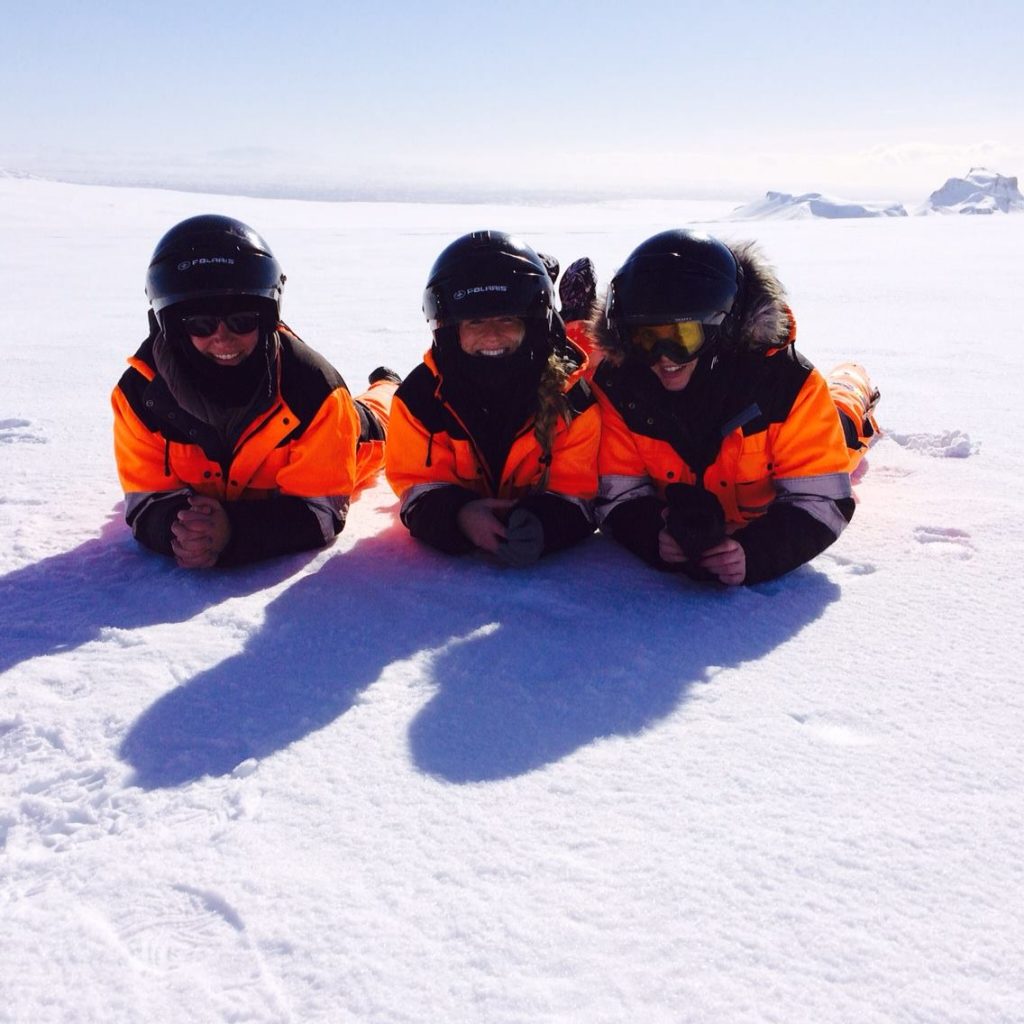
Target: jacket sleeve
point(153, 493)
point(628, 506)
point(813, 500)
point(433, 518)
point(784, 538)
point(574, 455)
point(420, 467)
point(314, 489)
point(322, 461)
point(281, 525)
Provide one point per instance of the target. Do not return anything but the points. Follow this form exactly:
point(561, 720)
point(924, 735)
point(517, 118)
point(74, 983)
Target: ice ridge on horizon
point(981, 192)
point(785, 206)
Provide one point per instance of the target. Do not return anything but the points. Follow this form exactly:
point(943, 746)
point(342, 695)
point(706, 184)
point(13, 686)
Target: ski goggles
point(681, 342)
point(202, 325)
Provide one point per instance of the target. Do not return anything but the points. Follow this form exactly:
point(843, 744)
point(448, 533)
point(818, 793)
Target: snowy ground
point(376, 784)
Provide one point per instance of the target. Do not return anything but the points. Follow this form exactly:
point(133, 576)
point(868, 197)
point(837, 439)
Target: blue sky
point(695, 98)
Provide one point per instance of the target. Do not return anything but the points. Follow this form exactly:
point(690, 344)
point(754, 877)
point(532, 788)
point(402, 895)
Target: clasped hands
point(200, 533)
point(695, 532)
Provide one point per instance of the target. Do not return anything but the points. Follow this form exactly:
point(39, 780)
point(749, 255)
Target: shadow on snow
point(60, 603)
point(526, 667)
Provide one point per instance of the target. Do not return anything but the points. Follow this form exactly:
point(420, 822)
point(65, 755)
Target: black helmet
point(673, 277)
point(213, 256)
point(487, 273)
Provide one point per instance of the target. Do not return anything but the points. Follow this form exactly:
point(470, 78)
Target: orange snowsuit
point(797, 450)
point(287, 478)
point(769, 448)
point(430, 450)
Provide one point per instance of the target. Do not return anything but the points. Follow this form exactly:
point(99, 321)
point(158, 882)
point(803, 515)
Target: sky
point(876, 100)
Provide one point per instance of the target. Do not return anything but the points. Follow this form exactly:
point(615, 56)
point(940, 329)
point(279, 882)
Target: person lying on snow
point(234, 440)
point(494, 436)
point(724, 453)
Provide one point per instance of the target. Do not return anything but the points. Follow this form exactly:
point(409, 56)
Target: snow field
point(376, 784)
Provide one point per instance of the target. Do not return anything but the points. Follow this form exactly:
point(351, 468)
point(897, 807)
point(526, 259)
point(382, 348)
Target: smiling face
point(493, 336)
point(673, 376)
point(224, 347)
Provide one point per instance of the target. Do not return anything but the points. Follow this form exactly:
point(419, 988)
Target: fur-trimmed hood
point(760, 317)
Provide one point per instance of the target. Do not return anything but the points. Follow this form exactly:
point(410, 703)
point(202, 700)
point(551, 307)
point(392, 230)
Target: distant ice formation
point(783, 206)
point(982, 191)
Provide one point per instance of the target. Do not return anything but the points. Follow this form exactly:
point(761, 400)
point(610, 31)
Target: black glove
point(578, 290)
point(525, 540)
point(695, 520)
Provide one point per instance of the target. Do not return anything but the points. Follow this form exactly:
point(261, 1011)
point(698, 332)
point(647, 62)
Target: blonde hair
point(551, 405)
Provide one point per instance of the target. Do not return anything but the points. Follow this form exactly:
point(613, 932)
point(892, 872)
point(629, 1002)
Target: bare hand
point(669, 549)
point(200, 533)
point(727, 561)
point(482, 521)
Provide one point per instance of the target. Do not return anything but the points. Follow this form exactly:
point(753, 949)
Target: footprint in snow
point(14, 431)
point(176, 929)
point(945, 541)
point(891, 472)
point(65, 798)
point(850, 566)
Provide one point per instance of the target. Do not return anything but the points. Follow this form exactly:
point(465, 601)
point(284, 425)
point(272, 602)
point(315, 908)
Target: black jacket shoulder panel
point(153, 403)
point(133, 385)
point(633, 395)
point(772, 384)
point(419, 393)
point(307, 378)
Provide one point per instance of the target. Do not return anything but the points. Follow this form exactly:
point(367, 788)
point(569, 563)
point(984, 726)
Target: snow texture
point(378, 784)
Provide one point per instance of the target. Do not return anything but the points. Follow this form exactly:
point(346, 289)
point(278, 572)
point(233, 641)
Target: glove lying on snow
point(525, 540)
point(695, 519)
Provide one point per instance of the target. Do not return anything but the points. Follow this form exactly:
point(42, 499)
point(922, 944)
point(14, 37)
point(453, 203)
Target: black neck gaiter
point(227, 398)
point(494, 397)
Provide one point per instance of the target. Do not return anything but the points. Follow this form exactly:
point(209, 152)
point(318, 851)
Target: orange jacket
point(771, 441)
point(578, 332)
point(799, 451)
point(302, 445)
point(428, 445)
point(435, 465)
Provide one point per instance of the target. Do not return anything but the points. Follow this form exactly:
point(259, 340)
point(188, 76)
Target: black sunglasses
point(202, 325)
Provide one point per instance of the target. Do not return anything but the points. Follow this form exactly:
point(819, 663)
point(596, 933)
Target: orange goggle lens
point(688, 336)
